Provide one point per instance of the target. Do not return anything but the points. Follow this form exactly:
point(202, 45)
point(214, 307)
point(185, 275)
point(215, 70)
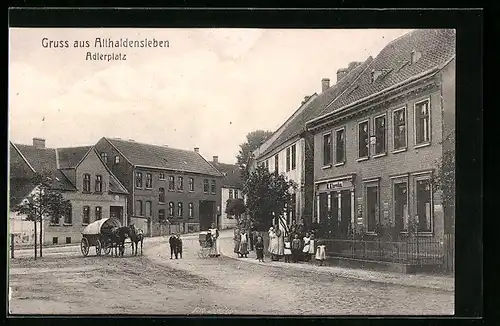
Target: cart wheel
point(84, 246)
point(98, 248)
point(200, 253)
point(107, 247)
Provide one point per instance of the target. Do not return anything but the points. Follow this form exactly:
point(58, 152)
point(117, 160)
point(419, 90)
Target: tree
point(236, 207)
point(267, 196)
point(444, 180)
point(254, 140)
point(42, 203)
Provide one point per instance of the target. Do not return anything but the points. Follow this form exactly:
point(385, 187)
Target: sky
point(208, 89)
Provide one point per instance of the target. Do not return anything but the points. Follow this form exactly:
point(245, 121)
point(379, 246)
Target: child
point(296, 248)
point(243, 250)
point(312, 247)
point(179, 245)
point(321, 253)
point(288, 249)
point(307, 246)
point(259, 248)
point(173, 248)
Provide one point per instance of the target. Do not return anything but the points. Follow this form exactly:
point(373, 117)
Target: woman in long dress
point(243, 250)
point(237, 240)
point(215, 240)
point(281, 243)
point(307, 246)
point(273, 243)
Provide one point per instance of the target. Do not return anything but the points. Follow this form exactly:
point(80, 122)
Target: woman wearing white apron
point(321, 253)
point(273, 243)
point(307, 246)
point(215, 240)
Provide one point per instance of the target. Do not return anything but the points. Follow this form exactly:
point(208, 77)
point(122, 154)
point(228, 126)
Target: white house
point(231, 188)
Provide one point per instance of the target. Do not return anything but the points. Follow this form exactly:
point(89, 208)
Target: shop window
point(423, 198)
point(372, 207)
point(400, 203)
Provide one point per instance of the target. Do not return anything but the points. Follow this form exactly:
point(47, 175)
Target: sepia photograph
point(231, 171)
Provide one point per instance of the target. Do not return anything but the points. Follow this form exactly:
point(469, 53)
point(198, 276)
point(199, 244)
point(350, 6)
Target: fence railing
point(421, 251)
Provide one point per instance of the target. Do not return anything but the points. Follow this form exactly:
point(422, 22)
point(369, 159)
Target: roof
point(95, 227)
point(19, 188)
point(231, 172)
point(436, 46)
point(297, 125)
point(70, 157)
point(163, 157)
point(43, 160)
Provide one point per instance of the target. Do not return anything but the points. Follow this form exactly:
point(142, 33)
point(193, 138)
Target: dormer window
point(415, 56)
point(375, 74)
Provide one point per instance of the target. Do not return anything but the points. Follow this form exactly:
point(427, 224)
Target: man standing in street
point(179, 246)
point(173, 246)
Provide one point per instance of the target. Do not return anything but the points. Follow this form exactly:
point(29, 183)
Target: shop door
point(345, 217)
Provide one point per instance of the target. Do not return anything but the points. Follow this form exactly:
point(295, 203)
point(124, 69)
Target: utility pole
point(41, 224)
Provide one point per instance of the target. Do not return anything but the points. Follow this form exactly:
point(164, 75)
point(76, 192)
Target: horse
point(136, 235)
point(118, 236)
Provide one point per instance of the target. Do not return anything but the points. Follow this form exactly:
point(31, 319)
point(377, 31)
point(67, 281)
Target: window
point(171, 209)
point(399, 127)
point(423, 194)
point(68, 239)
point(171, 183)
point(276, 163)
point(372, 207)
point(180, 183)
point(68, 216)
point(327, 149)
point(161, 195)
point(213, 187)
point(138, 179)
point(179, 209)
point(205, 186)
point(161, 215)
point(161, 176)
point(380, 135)
point(267, 165)
point(117, 159)
point(104, 157)
point(294, 156)
point(149, 181)
point(138, 208)
point(190, 210)
point(288, 154)
point(340, 146)
point(230, 193)
point(98, 183)
point(363, 150)
point(54, 240)
point(86, 182)
point(236, 193)
point(86, 215)
point(149, 208)
point(422, 122)
point(191, 184)
point(400, 202)
point(98, 213)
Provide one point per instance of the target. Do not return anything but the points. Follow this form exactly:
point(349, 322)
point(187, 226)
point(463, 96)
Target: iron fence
point(421, 251)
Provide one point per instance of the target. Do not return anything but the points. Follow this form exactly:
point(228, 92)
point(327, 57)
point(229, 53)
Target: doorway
point(345, 212)
point(207, 214)
point(117, 213)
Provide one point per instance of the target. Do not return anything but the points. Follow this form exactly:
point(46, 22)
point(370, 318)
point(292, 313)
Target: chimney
point(216, 159)
point(353, 65)
point(38, 142)
point(197, 149)
point(341, 73)
point(325, 84)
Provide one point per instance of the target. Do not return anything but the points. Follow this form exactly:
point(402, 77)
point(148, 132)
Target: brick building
point(79, 174)
point(170, 190)
point(290, 149)
point(376, 146)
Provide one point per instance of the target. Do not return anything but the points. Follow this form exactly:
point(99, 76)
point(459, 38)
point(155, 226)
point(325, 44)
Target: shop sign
point(333, 185)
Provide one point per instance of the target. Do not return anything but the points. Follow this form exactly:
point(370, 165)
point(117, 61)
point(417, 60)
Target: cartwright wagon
point(98, 235)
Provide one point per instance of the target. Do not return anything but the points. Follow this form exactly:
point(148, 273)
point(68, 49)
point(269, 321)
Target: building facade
point(170, 190)
point(291, 150)
point(232, 188)
point(376, 150)
point(79, 174)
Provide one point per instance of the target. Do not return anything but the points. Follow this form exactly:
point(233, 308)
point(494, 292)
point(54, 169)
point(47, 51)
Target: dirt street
point(154, 284)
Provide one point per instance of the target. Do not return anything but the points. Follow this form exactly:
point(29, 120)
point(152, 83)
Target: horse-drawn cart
point(98, 234)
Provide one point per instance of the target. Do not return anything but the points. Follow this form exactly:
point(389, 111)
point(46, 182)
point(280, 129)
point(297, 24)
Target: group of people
point(297, 245)
point(175, 242)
